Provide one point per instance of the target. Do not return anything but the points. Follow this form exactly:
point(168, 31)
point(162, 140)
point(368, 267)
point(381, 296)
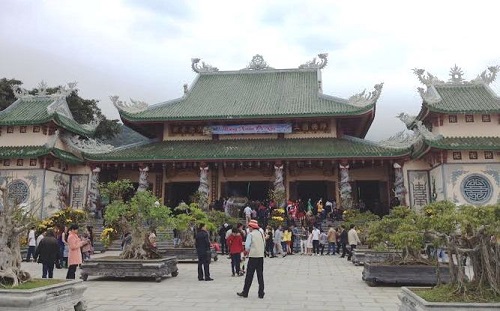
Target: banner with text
point(251, 129)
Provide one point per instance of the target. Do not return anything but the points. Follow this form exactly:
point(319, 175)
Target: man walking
point(315, 240)
point(48, 254)
point(353, 239)
point(254, 246)
point(31, 244)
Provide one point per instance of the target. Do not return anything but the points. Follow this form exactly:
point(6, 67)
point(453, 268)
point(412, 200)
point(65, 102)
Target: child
point(86, 248)
point(309, 243)
point(235, 245)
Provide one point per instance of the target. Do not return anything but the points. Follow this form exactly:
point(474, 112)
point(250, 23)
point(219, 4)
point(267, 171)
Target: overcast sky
point(142, 49)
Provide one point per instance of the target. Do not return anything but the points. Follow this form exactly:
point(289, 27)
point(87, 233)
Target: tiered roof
point(40, 110)
point(255, 149)
point(257, 92)
point(28, 152)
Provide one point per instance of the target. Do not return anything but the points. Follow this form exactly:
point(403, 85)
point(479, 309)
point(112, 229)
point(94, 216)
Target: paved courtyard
point(292, 283)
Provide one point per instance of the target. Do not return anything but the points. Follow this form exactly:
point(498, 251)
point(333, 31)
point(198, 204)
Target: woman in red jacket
point(235, 245)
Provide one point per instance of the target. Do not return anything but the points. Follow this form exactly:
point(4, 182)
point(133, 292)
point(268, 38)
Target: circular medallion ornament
point(18, 191)
point(476, 189)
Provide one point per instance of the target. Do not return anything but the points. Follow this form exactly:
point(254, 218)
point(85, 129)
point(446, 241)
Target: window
point(33, 162)
point(486, 118)
point(36, 129)
point(6, 162)
point(457, 155)
point(488, 155)
point(473, 155)
point(22, 129)
point(452, 119)
point(20, 162)
point(469, 118)
point(10, 129)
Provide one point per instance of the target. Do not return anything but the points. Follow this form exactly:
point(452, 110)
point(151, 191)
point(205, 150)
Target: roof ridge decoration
point(60, 106)
point(362, 99)
point(87, 145)
point(257, 63)
point(323, 61)
point(62, 91)
point(404, 140)
point(135, 106)
point(486, 77)
point(203, 68)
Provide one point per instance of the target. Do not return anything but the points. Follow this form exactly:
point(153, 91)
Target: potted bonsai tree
point(186, 221)
point(18, 290)
point(466, 233)
point(135, 218)
point(404, 229)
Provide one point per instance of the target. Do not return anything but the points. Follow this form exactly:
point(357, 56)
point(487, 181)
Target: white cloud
point(142, 49)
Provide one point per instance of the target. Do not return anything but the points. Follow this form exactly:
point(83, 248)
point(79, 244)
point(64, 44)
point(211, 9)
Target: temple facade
point(240, 134)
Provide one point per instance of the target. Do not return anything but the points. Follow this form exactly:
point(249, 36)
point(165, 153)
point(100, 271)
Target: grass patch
point(446, 293)
point(36, 283)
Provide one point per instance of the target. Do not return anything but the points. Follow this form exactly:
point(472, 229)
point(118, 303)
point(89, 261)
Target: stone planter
point(417, 275)
point(412, 302)
point(67, 295)
point(187, 254)
point(362, 256)
point(117, 267)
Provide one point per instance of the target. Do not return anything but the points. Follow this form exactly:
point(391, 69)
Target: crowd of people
point(60, 247)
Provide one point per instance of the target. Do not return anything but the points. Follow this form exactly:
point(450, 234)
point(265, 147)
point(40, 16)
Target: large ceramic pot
point(412, 302)
point(364, 255)
point(419, 275)
point(113, 266)
point(67, 295)
point(187, 253)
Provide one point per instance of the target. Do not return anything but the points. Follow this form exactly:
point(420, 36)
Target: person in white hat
point(254, 247)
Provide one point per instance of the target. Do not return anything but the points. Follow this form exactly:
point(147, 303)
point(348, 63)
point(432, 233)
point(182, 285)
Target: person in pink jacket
point(75, 253)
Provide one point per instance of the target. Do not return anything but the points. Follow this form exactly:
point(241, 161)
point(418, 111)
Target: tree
point(472, 231)
point(136, 216)
point(188, 219)
point(14, 222)
point(7, 96)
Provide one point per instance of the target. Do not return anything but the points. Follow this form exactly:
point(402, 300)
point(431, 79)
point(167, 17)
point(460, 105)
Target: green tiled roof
point(33, 111)
point(250, 95)
point(465, 98)
point(26, 152)
point(312, 148)
point(466, 143)
point(23, 152)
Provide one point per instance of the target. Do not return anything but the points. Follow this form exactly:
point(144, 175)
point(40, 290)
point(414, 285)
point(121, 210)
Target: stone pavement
point(292, 283)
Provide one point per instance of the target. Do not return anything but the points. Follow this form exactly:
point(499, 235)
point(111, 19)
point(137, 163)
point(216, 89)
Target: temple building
point(244, 133)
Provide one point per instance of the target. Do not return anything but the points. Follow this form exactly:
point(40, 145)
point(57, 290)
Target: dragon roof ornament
point(320, 64)
point(86, 145)
point(195, 65)
point(41, 90)
point(134, 107)
point(488, 76)
point(364, 99)
point(257, 63)
point(405, 140)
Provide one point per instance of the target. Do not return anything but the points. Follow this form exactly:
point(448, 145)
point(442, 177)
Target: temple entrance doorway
point(369, 198)
point(313, 190)
point(177, 192)
point(253, 190)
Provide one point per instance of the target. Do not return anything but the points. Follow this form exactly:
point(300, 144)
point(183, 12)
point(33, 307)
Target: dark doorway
point(368, 192)
point(179, 191)
point(313, 190)
point(253, 190)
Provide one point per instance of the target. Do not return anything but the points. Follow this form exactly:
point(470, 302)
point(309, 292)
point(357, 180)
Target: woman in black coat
point(47, 253)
